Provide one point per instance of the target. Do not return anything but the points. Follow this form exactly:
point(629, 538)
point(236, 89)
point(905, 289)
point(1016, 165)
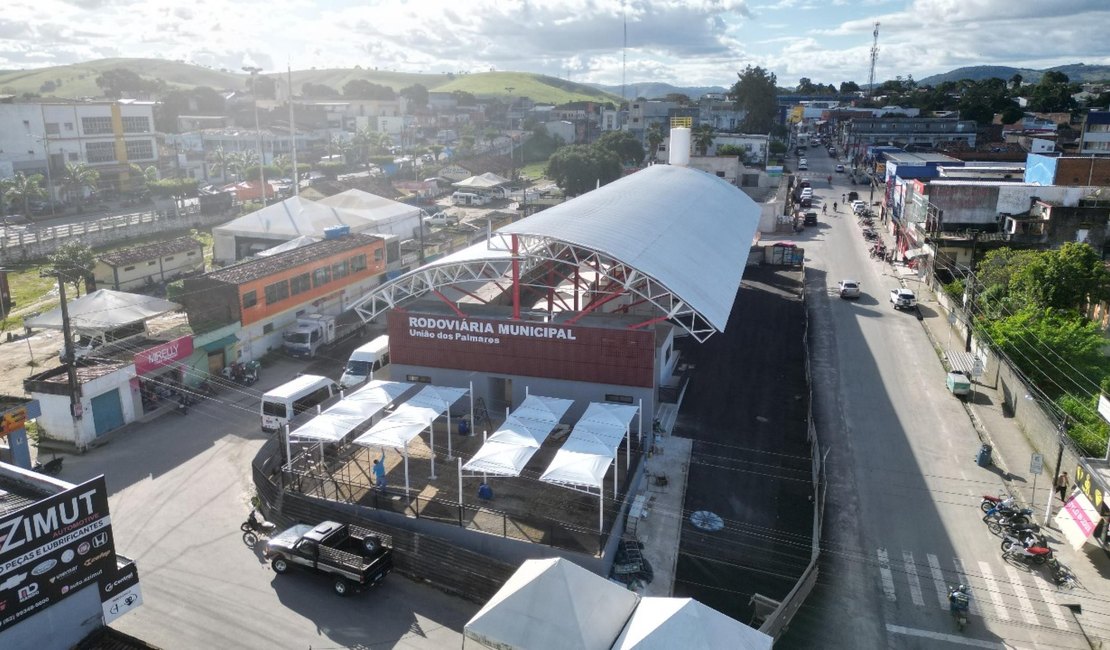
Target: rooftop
point(150, 251)
point(267, 266)
point(905, 158)
point(18, 489)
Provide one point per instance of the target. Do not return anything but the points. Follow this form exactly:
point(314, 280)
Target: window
point(318, 396)
point(619, 399)
point(250, 299)
point(277, 292)
point(267, 328)
point(100, 152)
point(379, 254)
point(720, 174)
point(300, 284)
point(358, 263)
point(170, 258)
point(69, 126)
point(151, 263)
point(52, 128)
point(339, 270)
point(136, 124)
point(418, 379)
point(321, 276)
point(96, 125)
point(73, 157)
point(129, 268)
point(141, 149)
point(191, 254)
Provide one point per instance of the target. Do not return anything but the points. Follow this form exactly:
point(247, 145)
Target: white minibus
point(289, 400)
point(367, 359)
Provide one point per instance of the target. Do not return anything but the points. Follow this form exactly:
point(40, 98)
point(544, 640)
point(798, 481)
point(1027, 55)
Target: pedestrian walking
point(379, 471)
point(1062, 486)
point(843, 198)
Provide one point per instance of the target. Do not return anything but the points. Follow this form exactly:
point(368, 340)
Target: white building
point(108, 136)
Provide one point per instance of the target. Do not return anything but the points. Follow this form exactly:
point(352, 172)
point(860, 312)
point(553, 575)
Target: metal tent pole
point(432, 429)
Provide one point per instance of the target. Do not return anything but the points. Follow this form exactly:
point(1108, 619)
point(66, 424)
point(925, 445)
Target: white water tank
point(679, 153)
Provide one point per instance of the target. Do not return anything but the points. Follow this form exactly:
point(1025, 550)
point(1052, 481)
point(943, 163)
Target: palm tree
point(76, 178)
point(141, 178)
point(283, 163)
point(221, 161)
point(24, 189)
point(240, 162)
point(703, 138)
point(436, 149)
point(655, 138)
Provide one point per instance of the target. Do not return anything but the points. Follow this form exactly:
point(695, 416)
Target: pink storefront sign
point(163, 355)
point(1083, 514)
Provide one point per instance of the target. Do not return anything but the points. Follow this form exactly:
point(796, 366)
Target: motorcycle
point(1025, 538)
point(1036, 554)
point(51, 467)
point(990, 501)
point(182, 407)
point(1061, 574)
point(242, 373)
point(959, 601)
point(254, 527)
point(998, 517)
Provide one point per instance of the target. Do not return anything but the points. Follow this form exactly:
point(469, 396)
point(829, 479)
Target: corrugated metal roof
point(260, 268)
point(150, 251)
point(685, 228)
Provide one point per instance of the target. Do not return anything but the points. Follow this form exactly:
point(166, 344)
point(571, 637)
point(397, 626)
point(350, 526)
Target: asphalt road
point(902, 519)
point(179, 490)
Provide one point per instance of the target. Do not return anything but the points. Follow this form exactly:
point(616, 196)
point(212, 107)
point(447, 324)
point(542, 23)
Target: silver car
point(848, 289)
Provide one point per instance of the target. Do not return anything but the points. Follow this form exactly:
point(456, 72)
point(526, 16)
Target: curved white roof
point(688, 230)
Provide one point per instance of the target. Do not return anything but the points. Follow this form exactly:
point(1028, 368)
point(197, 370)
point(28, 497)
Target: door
point(216, 363)
point(107, 412)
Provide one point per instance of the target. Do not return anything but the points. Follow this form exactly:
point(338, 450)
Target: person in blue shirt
point(379, 471)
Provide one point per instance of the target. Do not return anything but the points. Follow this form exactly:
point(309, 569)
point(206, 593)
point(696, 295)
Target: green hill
point(79, 80)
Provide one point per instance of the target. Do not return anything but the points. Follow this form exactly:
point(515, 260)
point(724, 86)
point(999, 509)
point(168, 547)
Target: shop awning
point(1077, 520)
point(220, 344)
point(911, 253)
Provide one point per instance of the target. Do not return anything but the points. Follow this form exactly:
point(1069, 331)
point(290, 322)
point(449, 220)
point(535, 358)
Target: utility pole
point(971, 291)
point(71, 359)
point(1063, 431)
point(258, 131)
point(293, 133)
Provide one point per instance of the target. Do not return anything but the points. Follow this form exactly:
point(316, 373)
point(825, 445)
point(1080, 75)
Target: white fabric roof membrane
point(481, 182)
point(292, 218)
point(553, 603)
point(510, 448)
point(667, 623)
point(591, 446)
point(104, 310)
point(370, 206)
point(349, 413)
point(687, 229)
point(411, 418)
point(292, 244)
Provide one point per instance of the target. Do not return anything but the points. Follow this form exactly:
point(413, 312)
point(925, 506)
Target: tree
point(1024, 336)
point(73, 261)
point(221, 160)
point(417, 95)
point(848, 87)
point(806, 87)
point(239, 162)
point(200, 100)
point(756, 93)
point(1053, 94)
point(655, 138)
point(579, 168)
point(1015, 81)
point(702, 136)
point(1067, 278)
point(681, 99)
point(623, 145)
point(363, 89)
point(78, 177)
point(117, 81)
point(22, 189)
point(318, 91)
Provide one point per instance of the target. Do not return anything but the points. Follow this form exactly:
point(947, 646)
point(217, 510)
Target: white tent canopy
point(398, 428)
point(388, 216)
point(666, 623)
point(292, 244)
point(484, 181)
point(350, 412)
point(553, 603)
point(104, 310)
point(585, 457)
point(510, 448)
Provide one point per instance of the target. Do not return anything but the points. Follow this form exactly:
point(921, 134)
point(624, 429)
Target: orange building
point(267, 294)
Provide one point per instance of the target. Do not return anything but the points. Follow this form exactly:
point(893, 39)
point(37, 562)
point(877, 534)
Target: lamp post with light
point(258, 131)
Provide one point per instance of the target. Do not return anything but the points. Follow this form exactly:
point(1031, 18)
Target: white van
point(468, 198)
point(289, 400)
point(367, 359)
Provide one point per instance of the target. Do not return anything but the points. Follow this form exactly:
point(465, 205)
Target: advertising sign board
point(162, 355)
point(53, 548)
point(532, 348)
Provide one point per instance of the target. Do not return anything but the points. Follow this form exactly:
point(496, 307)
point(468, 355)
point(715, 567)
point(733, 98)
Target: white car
point(803, 164)
point(858, 206)
point(848, 288)
point(840, 168)
point(903, 299)
point(442, 219)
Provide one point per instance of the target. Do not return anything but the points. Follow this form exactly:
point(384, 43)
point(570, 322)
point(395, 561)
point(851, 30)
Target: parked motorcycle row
point(1021, 539)
point(242, 373)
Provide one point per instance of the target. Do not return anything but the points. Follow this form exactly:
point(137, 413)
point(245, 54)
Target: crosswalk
point(1005, 594)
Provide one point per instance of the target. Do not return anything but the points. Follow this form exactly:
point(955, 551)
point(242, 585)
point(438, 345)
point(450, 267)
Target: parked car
point(832, 152)
point(903, 299)
point(840, 168)
point(442, 219)
point(16, 220)
point(848, 289)
point(810, 219)
point(858, 206)
point(958, 383)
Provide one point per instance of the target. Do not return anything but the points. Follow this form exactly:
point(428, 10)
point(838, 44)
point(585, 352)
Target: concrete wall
point(60, 626)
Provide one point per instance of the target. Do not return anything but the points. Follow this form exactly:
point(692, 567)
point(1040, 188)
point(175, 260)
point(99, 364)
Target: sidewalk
point(1011, 449)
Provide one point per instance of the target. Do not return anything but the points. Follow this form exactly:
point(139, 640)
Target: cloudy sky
point(685, 42)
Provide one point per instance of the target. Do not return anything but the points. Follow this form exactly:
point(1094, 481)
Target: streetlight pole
point(258, 131)
point(49, 181)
